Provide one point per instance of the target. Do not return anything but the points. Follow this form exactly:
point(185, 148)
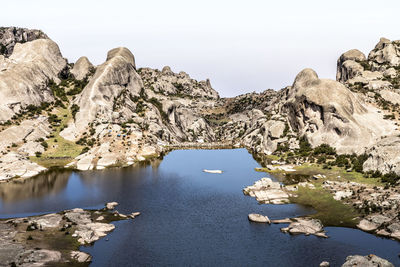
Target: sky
point(241, 46)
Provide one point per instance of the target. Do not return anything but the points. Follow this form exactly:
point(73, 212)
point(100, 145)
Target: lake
point(188, 217)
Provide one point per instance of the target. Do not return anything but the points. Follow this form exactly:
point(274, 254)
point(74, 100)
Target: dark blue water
point(189, 218)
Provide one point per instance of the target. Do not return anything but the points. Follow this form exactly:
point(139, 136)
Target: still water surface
point(189, 218)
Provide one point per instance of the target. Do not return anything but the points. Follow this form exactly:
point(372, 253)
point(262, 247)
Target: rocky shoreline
point(54, 239)
point(381, 204)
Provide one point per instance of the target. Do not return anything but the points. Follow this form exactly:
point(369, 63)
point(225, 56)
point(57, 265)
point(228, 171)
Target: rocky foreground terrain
point(54, 239)
point(55, 113)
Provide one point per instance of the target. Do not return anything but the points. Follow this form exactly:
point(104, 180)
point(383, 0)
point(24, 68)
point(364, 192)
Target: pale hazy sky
point(242, 46)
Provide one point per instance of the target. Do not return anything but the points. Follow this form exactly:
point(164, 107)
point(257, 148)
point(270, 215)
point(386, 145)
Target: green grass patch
point(60, 151)
point(330, 211)
point(331, 174)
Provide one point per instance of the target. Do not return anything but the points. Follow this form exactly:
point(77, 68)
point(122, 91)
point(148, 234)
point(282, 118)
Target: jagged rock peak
point(9, 36)
point(81, 68)
point(122, 52)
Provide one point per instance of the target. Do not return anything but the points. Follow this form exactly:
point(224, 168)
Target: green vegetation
point(59, 151)
point(365, 65)
point(330, 211)
point(74, 110)
point(159, 106)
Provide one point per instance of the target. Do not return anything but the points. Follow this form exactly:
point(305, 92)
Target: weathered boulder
point(48, 221)
point(348, 66)
point(325, 111)
point(305, 226)
point(28, 130)
point(80, 256)
point(384, 156)
point(15, 165)
point(24, 76)
point(268, 192)
point(82, 68)
point(40, 257)
point(258, 218)
point(91, 232)
point(366, 261)
point(111, 205)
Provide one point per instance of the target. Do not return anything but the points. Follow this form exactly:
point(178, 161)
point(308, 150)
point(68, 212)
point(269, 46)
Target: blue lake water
point(189, 218)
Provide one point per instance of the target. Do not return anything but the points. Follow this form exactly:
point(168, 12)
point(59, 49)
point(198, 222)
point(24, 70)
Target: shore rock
point(80, 256)
point(111, 205)
point(366, 261)
point(268, 192)
point(259, 218)
point(305, 226)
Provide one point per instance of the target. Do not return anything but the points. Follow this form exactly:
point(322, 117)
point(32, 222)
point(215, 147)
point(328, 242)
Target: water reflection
point(45, 184)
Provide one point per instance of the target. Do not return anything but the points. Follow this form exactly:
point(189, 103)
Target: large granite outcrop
point(115, 81)
point(348, 65)
point(325, 111)
point(25, 75)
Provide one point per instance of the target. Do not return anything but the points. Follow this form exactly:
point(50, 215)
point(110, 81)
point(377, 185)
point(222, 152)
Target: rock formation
point(366, 261)
point(10, 36)
point(82, 68)
point(24, 77)
point(325, 111)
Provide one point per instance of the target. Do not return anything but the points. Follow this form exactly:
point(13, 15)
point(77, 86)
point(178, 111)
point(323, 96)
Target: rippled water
point(188, 217)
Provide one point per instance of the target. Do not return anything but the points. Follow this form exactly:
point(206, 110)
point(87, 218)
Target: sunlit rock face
point(25, 75)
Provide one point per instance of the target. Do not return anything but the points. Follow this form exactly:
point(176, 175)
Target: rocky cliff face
point(118, 114)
